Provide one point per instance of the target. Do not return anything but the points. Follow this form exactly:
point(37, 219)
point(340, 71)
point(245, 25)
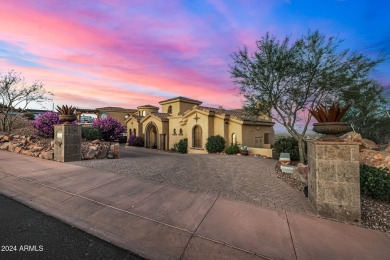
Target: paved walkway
point(240, 178)
point(158, 221)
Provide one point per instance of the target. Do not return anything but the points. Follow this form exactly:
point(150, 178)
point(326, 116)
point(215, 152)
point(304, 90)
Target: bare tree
point(282, 79)
point(16, 95)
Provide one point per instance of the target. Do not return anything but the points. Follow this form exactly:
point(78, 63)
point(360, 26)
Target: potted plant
point(329, 120)
point(244, 150)
point(66, 114)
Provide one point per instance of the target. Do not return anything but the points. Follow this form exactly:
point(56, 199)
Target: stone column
point(67, 143)
point(334, 180)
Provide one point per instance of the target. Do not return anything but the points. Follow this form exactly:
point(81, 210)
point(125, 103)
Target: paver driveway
point(249, 179)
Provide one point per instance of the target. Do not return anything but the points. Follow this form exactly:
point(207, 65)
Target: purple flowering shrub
point(45, 122)
point(110, 128)
point(135, 141)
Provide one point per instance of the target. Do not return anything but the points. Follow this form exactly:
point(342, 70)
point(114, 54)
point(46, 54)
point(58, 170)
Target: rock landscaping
point(44, 147)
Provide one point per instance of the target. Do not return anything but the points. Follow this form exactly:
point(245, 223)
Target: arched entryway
point(151, 136)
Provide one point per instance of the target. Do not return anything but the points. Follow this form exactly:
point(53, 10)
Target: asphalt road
point(28, 234)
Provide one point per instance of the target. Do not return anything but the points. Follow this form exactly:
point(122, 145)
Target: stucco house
point(120, 114)
point(182, 117)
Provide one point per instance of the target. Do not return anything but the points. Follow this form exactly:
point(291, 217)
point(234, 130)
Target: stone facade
point(183, 117)
point(67, 143)
point(334, 180)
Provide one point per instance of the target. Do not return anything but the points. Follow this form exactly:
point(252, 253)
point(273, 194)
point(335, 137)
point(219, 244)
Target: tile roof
point(138, 117)
point(116, 109)
point(162, 116)
point(148, 106)
point(182, 99)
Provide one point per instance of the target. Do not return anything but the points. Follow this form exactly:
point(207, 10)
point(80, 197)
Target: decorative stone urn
point(331, 129)
point(67, 119)
point(329, 121)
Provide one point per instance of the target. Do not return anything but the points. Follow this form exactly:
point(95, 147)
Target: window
point(174, 131)
point(143, 112)
point(197, 133)
point(103, 115)
point(170, 110)
point(134, 132)
point(234, 139)
point(181, 131)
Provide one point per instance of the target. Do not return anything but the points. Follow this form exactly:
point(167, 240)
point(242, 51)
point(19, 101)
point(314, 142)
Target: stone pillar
point(67, 143)
point(334, 180)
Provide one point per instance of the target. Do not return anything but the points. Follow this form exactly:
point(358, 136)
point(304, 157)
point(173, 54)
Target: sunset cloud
point(130, 53)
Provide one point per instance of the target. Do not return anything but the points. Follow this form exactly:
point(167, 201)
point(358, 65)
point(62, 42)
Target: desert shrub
point(45, 122)
point(287, 145)
point(181, 146)
point(215, 144)
point(29, 116)
point(110, 128)
point(90, 133)
point(375, 182)
point(135, 141)
point(233, 149)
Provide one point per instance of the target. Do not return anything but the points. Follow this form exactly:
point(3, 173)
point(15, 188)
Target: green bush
point(287, 145)
point(233, 149)
point(90, 133)
point(375, 182)
point(215, 144)
point(181, 146)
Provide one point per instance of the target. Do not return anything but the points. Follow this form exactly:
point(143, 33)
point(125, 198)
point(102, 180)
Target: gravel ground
point(375, 213)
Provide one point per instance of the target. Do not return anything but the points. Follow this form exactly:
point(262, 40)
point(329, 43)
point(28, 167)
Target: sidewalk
point(162, 222)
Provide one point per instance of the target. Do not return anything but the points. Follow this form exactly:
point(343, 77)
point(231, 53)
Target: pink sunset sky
point(129, 53)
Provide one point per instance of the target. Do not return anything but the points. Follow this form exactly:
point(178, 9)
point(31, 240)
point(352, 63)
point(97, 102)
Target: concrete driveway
point(241, 178)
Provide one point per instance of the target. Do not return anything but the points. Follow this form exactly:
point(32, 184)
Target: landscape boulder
point(351, 137)
point(368, 144)
point(300, 173)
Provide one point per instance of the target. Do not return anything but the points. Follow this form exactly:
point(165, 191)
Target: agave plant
point(65, 110)
point(332, 114)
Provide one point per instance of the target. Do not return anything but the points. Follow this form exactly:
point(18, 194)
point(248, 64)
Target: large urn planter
point(243, 152)
point(67, 119)
point(329, 121)
point(332, 128)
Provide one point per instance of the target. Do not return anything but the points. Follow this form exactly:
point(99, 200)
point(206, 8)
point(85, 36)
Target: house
point(120, 114)
point(182, 117)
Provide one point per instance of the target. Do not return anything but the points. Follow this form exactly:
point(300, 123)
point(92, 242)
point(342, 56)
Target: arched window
point(234, 139)
point(144, 113)
point(174, 131)
point(181, 131)
point(170, 110)
point(197, 134)
point(134, 132)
